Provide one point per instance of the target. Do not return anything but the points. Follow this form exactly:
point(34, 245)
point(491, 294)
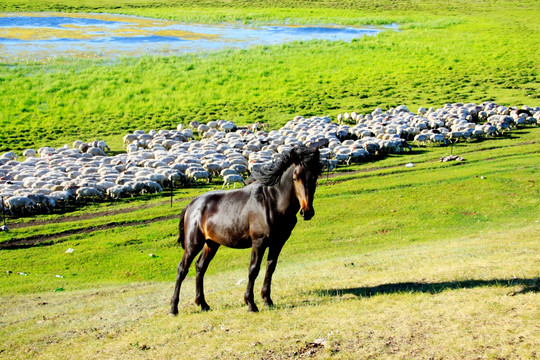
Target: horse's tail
point(181, 228)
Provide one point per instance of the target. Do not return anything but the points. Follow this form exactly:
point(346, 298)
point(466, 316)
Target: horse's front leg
point(273, 254)
point(257, 253)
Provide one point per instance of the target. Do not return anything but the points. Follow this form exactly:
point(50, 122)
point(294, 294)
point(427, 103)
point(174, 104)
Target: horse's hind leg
point(183, 267)
point(257, 253)
point(208, 252)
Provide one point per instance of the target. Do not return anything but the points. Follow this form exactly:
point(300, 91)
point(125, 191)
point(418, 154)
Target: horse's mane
point(271, 175)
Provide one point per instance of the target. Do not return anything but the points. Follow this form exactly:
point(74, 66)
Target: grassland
point(436, 261)
point(458, 51)
point(430, 261)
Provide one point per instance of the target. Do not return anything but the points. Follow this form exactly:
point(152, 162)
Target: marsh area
point(43, 35)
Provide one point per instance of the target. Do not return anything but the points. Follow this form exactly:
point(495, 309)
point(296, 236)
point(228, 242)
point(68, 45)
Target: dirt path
point(92, 215)
point(45, 240)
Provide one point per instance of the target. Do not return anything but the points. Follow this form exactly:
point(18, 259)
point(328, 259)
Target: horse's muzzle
point(307, 214)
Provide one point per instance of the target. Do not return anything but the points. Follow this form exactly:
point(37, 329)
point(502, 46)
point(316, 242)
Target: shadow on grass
point(528, 285)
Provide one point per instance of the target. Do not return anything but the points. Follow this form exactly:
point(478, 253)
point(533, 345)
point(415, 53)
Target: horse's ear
point(294, 157)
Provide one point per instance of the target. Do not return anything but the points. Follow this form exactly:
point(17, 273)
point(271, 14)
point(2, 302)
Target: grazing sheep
point(436, 139)
point(372, 147)
point(120, 191)
point(129, 138)
point(62, 197)
point(225, 172)
point(357, 156)
point(77, 143)
point(20, 205)
point(212, 168)
point(227, 126)
point(52, 177)
point(202, 128)
point(421, 139)
point(197, 175)
point(187, 133)
point(151, 187)
point(232, 179)
point(329, 164)
point(100, 144)
point(42, 203)
point(29, 153)
point(88, 194)
point(10, 155)
point(240, 168)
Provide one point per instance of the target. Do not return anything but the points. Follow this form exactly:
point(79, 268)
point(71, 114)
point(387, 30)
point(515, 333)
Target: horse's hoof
point(174, 309)
point(253, 309)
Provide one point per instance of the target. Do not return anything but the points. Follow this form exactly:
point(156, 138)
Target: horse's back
point(225, 217)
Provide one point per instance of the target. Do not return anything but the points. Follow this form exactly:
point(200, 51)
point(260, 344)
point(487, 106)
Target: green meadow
point(444, 52)
point(438, 260)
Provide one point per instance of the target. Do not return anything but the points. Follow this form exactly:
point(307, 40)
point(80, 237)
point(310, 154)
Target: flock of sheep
point(50, 178)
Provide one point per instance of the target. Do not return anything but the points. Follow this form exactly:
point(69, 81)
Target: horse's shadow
point(527, 285)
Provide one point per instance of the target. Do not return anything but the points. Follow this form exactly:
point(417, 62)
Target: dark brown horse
point(259, 216)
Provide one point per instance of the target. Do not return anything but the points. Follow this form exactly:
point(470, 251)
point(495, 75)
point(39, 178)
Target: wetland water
point(39, 36)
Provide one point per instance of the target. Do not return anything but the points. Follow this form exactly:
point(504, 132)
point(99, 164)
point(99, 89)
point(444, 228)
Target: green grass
point(429, 261)
point(434, 59)
point(432, 261)
point(403, 205)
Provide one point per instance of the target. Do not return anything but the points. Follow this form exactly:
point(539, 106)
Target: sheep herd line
point(52, 178)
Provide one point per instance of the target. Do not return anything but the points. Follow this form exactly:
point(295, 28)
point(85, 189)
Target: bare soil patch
point(45, 240)
point(88, 216)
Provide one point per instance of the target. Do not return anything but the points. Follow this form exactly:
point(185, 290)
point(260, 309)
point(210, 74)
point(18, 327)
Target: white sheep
point(197, 175)
point(232, 179)
point(202, 128)
point(329, 164)
point(10, 155)
point(20, 205)
point(29, 153)
point(225, 172)
point(421, 139)
point(227, 126)
point(151, 187)
point(120, 191)
point(188, 133)
point(212, 168)
point(101, 145)
point(161, 156)
point(88, 194)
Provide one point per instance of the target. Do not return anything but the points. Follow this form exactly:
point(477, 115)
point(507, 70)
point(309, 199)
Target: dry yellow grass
point(469, 298)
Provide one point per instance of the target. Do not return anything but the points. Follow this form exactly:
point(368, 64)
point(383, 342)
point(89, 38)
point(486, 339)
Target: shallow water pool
point(39, 36)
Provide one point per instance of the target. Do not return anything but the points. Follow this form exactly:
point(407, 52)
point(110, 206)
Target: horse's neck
point(286, 201)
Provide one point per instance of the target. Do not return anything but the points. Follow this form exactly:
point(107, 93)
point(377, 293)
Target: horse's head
point(305, 174)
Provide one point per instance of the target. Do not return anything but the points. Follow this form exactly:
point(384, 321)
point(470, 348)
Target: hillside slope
point(439, 260)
